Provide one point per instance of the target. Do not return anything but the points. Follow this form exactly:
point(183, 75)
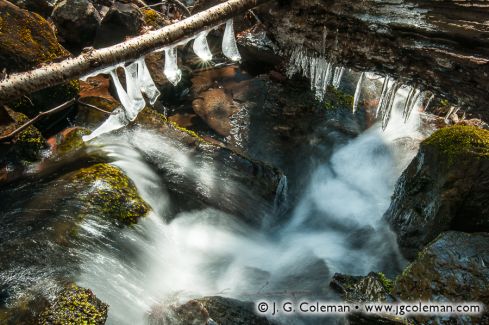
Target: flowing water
point(179, 252)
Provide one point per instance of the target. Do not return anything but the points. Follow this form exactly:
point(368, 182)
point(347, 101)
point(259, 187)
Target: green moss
point(72, 141)
point(153, 19)
point(335, 98)
point(459, 140)
point(387, 283)
point(75, 305)
point(189, 132)
point(444, 103)
point(110, 192)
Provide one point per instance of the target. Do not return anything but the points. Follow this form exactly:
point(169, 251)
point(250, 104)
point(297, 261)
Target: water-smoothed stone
point(76, 22)
point(214, 310)
point(244, 187)
point(453, 268)
point(68, 140)
point(108, 192)
point(446, 187)
point(75, 305)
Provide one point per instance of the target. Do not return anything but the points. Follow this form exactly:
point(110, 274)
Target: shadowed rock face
point(438, 45)
point(444, 188)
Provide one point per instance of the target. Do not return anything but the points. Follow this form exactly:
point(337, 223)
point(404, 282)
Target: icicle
point(229, 47)
point(386, 112)
point(171, 70)
point(201, 47)
point(383, 94)
point(121, 93)
point(338, 75)
point(146, 83)
point(312, 72)
point(133, 92)
point(412, 104)
point(319, 78)
point(115, 121)
point(358, 92)
point(329, 75)
point(429, 102)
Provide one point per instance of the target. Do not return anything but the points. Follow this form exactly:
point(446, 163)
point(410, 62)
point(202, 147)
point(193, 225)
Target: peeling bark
point(20, 84)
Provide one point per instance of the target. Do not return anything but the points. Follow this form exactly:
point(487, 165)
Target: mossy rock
point(460, 140)
point(24, 147)
point(153, 19)
point(335, 98)
point(27, 41)
point(109, 192)
point(69, 140)
point(73, 306)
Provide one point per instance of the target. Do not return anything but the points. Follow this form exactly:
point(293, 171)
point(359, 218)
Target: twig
point(93, 106)
point(176, 2)
point(37, 117)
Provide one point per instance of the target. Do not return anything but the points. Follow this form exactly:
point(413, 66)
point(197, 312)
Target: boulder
point(453, 268)
point(444, 188)
point(108, 192)
point(75, 305)
point(208, 311)
point(122, 20)
point(76, 22)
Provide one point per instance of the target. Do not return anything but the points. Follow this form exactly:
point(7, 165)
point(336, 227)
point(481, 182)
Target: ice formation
point(358, 92)
point(137, 102)
point(229, 47)
point(201, 47)
point(171, 70)
point(146, 83)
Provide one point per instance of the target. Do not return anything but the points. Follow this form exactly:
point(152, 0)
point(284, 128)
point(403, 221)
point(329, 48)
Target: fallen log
point(20, 84)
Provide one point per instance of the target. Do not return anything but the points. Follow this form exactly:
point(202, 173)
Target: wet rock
point(374, 287)
point(253, 182)
point(76, 22)
point(25, 147)
point(444, 188)
point(215, 107)
point(96, 92)
point(257, 47)
point(68, 140)
point(75, 305)
point(452, 268)
point(108, 192)
point(440, 45)
point(122, 20)
point(208, 311)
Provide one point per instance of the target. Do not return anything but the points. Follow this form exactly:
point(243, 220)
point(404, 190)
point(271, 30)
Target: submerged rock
point(444, 188)
point(107, 191)
point(75, 305)
point(452, 268)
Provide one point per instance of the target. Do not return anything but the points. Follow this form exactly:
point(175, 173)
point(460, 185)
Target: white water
point(208, 252)
point(201, 47)
point(229, 47)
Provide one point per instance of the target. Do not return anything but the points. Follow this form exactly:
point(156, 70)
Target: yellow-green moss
point(75, 306)
point(460, 140)
point(110, 192)
point(72, 141)
point(335, 98)
point(387, 283)
point(189, 132)
point(153, 19)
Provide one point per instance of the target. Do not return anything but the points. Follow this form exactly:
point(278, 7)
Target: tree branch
point(93, 106)
point(37, 117)
point(19, 84)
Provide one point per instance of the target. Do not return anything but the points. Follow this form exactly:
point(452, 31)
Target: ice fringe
point(229, 47)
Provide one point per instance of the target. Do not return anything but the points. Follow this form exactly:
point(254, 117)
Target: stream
point(329, 221)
